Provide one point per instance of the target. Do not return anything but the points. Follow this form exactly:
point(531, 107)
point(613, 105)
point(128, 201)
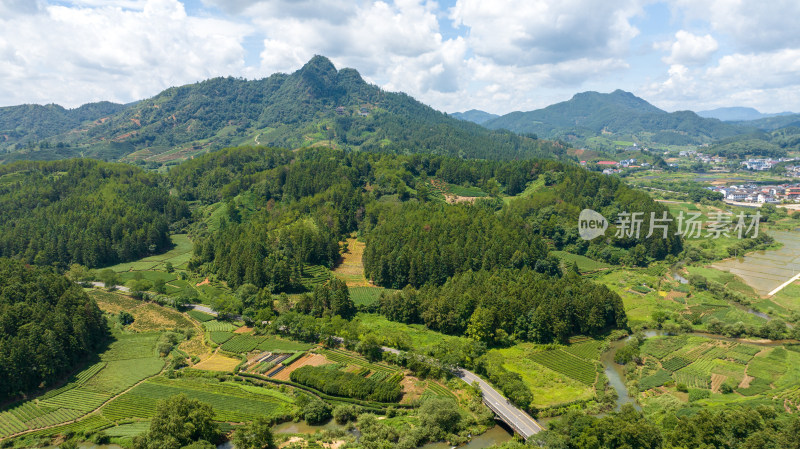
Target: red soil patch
point(308, 359)
point(205, 282)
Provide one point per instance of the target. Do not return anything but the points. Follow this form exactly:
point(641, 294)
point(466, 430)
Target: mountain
point(316, 105)
point(774, 122)
point(598, 118)
point(19, 124)
point(474, 116)
point(738, 114)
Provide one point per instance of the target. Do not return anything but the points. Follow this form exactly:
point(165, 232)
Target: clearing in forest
point(350, 267)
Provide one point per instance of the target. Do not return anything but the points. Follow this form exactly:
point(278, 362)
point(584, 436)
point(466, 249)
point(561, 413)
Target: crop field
point(220, 337)
point(585, 264)
point(89, 424)
point(241, 343)
point(347, 358)
point(231, 401)
point(218, 362)
point(314, 275)
point(365, 296)
point(129, 430)
point(708, 365)
point(219, 326)
point(589, 350)
point(274, 344)
point(657, 379)
point(434, 389)
point(562, 362)
point(661, 347)
point(127, 360)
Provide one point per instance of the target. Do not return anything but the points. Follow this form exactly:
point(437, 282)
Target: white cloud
point(769, 82)
point(691, 49)
point(530, 32)
point(754, 25)
point(71, 55)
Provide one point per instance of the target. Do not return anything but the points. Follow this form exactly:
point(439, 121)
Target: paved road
point(202, 308)
point(514, 417)
point(505, 410)
point(121, 288)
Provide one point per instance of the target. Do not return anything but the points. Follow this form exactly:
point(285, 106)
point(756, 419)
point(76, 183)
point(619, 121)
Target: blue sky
point(498, 56)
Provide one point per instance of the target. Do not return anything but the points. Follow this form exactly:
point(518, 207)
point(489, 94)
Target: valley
point(319, 263)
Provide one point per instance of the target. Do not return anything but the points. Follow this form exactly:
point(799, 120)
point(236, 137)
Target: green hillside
point(618, 115)
point(316, 105)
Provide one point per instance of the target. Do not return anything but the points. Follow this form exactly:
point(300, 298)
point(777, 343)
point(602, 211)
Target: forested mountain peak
point(618, 98)
point(618, 115)
point(315, 105)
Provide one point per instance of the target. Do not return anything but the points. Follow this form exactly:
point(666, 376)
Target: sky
point(498, 56)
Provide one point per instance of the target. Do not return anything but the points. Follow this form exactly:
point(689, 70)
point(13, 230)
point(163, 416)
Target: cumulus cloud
point(753, 25)
point(71, 55)
point(691, 49)
point(767, 81)
point(530, 32)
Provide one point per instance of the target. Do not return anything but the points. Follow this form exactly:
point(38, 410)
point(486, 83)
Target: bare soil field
point(308, 359)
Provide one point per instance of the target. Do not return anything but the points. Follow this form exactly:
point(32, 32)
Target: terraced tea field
point(128, 360)
point(232, 402)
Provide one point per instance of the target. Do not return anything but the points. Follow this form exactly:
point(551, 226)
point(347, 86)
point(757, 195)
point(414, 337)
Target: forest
point(494, 306)
point(84, 211)
point(48, 326)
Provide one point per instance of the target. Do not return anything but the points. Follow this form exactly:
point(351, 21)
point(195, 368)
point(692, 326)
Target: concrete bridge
point(517, 419)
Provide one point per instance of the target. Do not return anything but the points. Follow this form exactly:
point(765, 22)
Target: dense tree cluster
point(492, 306)
point(48, 325)
point(332, 297)
point(84, 211)
point(224, 174)
point(351, 385)
point(417, 244)
point(181, 422)
point(734, 427)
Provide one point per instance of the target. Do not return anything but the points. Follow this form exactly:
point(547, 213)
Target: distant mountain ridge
point(474, 116)
point(738, 114)
point(316, 105)
point(617, 115)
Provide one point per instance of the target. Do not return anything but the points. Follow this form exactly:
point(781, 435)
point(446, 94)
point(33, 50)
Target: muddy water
point(616, 376)
point(767, 270)
point(304, 427)
point(495, 435)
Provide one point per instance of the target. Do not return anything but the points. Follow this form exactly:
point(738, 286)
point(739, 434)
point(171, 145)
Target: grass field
point(548, 387)
point(350, 267)
point(419, 336)
point(148, 317)
point(218, 362)
point(179, 257)
point(365, 296)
